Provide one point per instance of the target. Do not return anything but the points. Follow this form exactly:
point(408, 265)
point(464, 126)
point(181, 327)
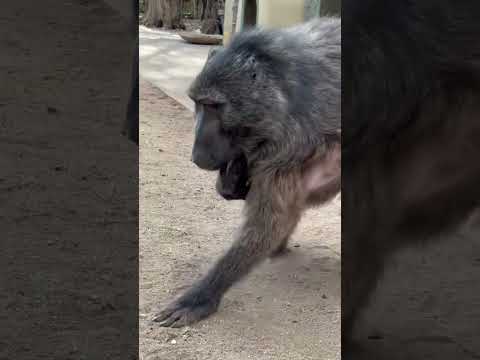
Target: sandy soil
point(68, 183)
point(287, 308)
point(427, 304)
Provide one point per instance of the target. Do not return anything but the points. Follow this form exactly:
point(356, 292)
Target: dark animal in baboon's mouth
point(233, 179)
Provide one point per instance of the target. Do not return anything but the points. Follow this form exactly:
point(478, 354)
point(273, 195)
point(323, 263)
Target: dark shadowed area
point(68, 187)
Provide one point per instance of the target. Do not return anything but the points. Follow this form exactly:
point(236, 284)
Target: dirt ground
point(287, 308)
point(68, 183)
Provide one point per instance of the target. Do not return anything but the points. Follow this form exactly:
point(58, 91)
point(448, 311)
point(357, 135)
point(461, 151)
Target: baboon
point(269, 104)
point(131, 123)
point(411, 130)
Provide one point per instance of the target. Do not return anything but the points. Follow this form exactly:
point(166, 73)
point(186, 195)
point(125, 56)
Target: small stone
point(173, 342)
point(170, 337)
point(186, 333)
point(324, 296)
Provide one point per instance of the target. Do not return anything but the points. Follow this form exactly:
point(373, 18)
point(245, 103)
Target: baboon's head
point(233, 94)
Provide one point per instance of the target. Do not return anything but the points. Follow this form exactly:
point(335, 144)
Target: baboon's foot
point(280, 251)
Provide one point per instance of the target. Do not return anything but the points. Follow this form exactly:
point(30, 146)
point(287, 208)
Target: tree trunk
point(203, 5)
point(153, 13)
point(194, 8)
point(198, 8)
point(166, 13)
point(173, 14)
point(209, 23)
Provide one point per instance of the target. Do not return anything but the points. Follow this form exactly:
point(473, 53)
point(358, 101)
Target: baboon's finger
point(180, 315)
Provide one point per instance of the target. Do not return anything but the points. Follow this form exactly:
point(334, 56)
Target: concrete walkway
point(170, 63)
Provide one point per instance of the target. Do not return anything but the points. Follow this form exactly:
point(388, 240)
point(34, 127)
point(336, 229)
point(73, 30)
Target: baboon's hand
point(188, 309)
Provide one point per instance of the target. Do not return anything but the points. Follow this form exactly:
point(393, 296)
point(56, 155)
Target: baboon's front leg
point(270, 218)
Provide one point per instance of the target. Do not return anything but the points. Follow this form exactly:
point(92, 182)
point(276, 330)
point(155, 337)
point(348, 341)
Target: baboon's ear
point(214, 50)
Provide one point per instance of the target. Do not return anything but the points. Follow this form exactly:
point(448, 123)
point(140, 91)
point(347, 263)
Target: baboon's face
point(214, 146)
point(229, 100)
